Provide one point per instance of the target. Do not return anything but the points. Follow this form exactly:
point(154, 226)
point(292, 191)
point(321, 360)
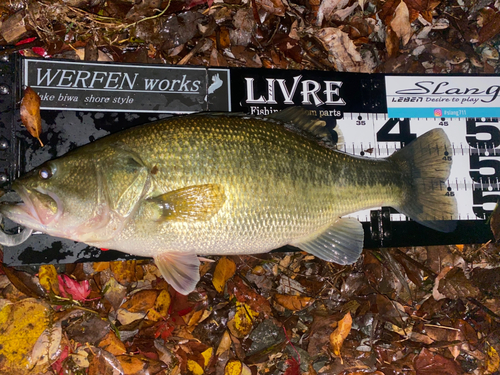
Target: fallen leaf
point(141, 301)
point(161, 306)
point(293, 303)
point(338, 336)
point(47, 275)
point(131, 365)
point(112, 344)
point(124, 271)
point(30, 113)
point(242, 323)
point(236, 367)
point(452, 283)
point(244, 293)
point(195, 367)
point(493, 360)
point(490, 28)
point(70, 288)
point(207, 355)
point(224, 270)
point(23, 281)
point(47, 346)
point(427, 363)
point(495, 222)
point(114, 293)
point(400, 24)
point(341, 51)
point(225, 343)
point(293, 367)
point(21, 324)
point(137, 306)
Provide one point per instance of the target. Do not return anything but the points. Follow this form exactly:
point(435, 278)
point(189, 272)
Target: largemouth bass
point(220, 184)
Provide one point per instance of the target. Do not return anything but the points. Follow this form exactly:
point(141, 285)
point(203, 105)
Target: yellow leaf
point(160, 309)
point(47, 275)
point(233, 367)
point(100, 266)
point(224, 270)
point(242, 323)
point(194, 367)
point(493, 361)
point(21, 324)
point(124, 271)
point(207, 354)
point(225, 343)
point(293, 303)
point(339, 335)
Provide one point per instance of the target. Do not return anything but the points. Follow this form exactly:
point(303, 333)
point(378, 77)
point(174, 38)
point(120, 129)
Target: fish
point(228, 184)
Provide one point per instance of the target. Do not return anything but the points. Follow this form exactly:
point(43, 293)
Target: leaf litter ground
point(433, 310)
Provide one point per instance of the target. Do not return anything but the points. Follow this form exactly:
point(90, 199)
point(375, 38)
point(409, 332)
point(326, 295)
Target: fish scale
point(216, 184)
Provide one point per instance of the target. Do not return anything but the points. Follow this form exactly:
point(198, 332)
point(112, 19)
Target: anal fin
point(341, 242)
point(180, 270)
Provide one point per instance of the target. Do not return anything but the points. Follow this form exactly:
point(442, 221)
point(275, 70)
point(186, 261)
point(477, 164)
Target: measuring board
point(82, 102)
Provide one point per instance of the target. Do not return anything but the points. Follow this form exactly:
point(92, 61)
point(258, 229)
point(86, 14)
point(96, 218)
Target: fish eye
point(45, 173)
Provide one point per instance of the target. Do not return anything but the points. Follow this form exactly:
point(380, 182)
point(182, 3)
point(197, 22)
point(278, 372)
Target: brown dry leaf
point(115, 293)
point(341, 51)
point(293, 303)
point(24, 282)
point(338, 336)
point(495, 222)
point(427, 363)
point(225, 343)
point(30, 113)
point(400, 24)
point(224, 270)
point(423, 7)
point(137, 306)
point(452, 283)
point(490, 28)
point(112, 344)
point(141, 301)
point(47, 346)
point(275, 7)
point(47, 275)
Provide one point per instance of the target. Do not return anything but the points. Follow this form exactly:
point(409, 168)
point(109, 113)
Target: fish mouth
point(38, 208)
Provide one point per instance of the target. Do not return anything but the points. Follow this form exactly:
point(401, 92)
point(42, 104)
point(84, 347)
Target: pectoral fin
point(180, 270)
point(124, 178)
point(341, 242)
point(199, 202)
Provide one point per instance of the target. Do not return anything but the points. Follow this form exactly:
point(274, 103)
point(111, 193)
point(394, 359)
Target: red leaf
point(428, 363)
point(57, 365)
point(79, 291)
point(25, 41)
point(293, 367)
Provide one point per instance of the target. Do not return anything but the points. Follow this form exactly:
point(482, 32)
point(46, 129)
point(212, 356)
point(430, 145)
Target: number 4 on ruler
point(404, 136)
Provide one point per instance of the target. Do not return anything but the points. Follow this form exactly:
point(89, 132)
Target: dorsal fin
point(301, 120)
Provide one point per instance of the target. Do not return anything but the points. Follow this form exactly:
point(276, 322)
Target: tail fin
point(426, 164)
